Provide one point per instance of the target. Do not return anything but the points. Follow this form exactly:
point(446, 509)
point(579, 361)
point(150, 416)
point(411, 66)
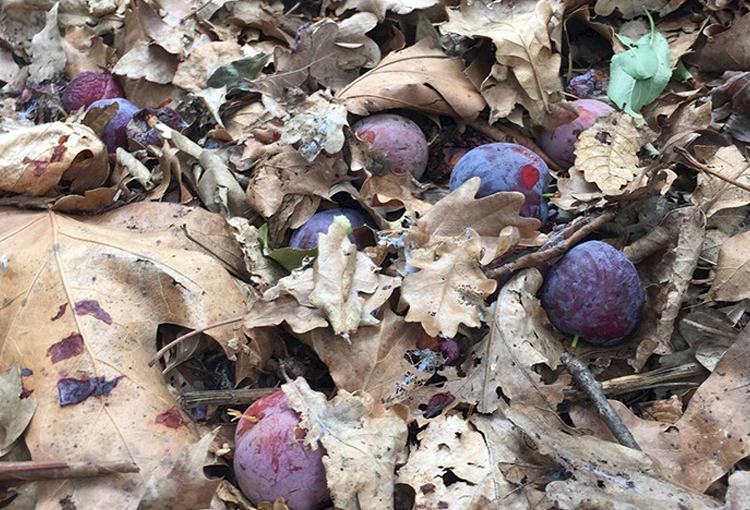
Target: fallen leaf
point(732, 279)
point(130, 282)
point(730, 105)
point(719, 194)
point(728, 50)
point(318, 125)
point(362, 440)
point(380, 7)
point(450, 287)
point(16, 408)
point(714, 428)
point(419, 77)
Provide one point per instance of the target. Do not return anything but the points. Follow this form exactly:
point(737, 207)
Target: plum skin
point(560, 144)
point(271, 461)
point(306, 237)
point(115, 135)
point(506, 167)
point(594, 292)
point(401, 139)
point(88, 87)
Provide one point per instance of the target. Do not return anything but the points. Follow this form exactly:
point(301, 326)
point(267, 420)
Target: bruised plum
point(306, 237)
point(114, 134)
point(142, 128)
point(88, 87)
point(594, 292)
point(506, 167)
point(271, 460)
point(400, 139)
point(561, 143)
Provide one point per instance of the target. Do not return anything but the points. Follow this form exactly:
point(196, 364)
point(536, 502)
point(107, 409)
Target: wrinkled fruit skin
point(306, 237)
point(141, 127)
point(594, 292)
point(86, 88)
point(271, 461)
point(560, 144)
point(401, 139)
point(115, 135)
point(506, 167)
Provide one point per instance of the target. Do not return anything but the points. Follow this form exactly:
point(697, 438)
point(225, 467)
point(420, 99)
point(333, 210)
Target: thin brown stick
point(558, 244)
point(585, 381)
point(700, 166)
point(30, 471)
point(647, 380)
point(224, 397)
point(156, 357)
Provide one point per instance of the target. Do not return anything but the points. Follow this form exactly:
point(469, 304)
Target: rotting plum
point(401, 139)
point(114, 134)
point(88, 87)
point(306, 237)
point(506, 167)
point(560, 144)
point(594, 292)
point(141, 127)
point(271, 460)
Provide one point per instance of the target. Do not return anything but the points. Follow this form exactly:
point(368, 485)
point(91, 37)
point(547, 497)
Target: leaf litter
point(415, 350)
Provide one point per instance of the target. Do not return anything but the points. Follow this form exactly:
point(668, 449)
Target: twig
point(156, 357)
point(700, 166)
point(647, 380)
point(224, 397)
point(585, 380)
point(499, 133)
point(30, 471)
point(557, 245)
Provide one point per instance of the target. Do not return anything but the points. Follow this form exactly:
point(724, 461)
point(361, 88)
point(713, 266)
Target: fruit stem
point(574, 343)
point(182, 338)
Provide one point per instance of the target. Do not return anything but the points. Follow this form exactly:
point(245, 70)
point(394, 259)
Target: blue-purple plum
point(114, 134)
point(306, 237)
point(401, 139)
point(594, 292)
point(560, 144)
point(506, 167)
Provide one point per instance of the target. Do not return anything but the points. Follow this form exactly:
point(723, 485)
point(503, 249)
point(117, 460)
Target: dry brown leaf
point(373, 361)
point(451, 448)
point(520, 338)
point(380, 7)
point(730, 105)
point(36, 159)
point(521, 35)
point(607, 152)
point(318, 125)
point(729, 162)
point(420, 78)
point(714, 428)
point(450, 287)
point(341, 275)
point(604, 475)
point(396, 190)
point(362, 442)
point(193, 72)
point(84, 51)
point(732, 280)
point(84, 300)
point(629, 8)
point(148, 61)
point(487, 216)
point(728, 50)
point(739, 488)
point(16, 409)
point(46, 47)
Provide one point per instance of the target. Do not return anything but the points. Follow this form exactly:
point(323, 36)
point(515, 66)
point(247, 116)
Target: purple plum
point(306, 237)
point(88, 87)
point(114, 135)
point(401, 139)
point(561, 143)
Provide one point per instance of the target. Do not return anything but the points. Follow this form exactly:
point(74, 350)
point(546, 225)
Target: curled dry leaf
point(380, 7)
point(84, 300)
point(362, 439)
point(450, 288)
point(727, 51)
point(716, 194)
point(16, 409)
point(731, 105)
point(318, 126)
point(732, 280)
point(395, 189)
point(521, 35)
point(36, 159)
point(419, 77)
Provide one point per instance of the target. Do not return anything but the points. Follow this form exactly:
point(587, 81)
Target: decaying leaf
point(732, 280)
point(729, 162)
point(380, 7)
point(16, 408)
point(319, 127)
point(420, 77)
point(362, 441)
point(36, 159)
point(450, 288)
point(83, 300)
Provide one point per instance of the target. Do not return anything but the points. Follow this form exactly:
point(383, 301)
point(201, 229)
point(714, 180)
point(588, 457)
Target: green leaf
point(291, 258)
point(681, 73)
point(238, 74)
point(640, 74)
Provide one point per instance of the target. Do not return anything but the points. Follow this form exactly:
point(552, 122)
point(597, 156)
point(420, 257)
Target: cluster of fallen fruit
point(593, 292)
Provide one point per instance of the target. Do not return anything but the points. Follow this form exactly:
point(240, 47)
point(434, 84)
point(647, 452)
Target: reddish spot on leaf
point(25, 392)
point(39, 166)
point(91, 307)
point(66, 348)
point(171, 418)
point(75, 391)
point(60, 311)
point(529, 176)
point(437, 403)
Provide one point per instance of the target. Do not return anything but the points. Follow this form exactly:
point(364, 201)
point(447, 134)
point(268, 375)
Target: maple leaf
point(450, 287)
